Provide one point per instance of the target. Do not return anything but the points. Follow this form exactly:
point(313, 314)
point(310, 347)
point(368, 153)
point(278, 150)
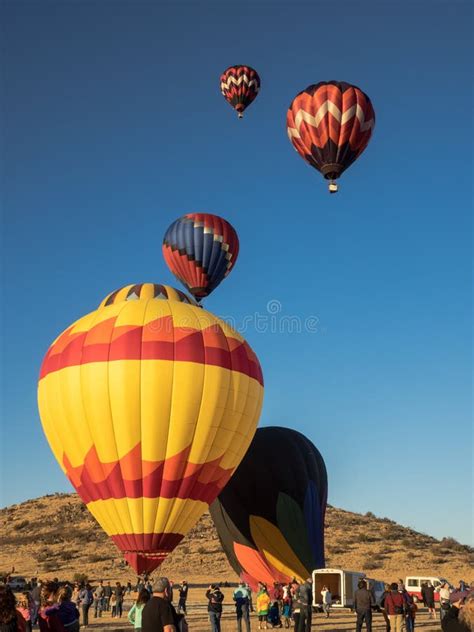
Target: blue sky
point(114, 126)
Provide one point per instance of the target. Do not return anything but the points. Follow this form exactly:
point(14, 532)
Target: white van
point(342, 585)
point(414, 583)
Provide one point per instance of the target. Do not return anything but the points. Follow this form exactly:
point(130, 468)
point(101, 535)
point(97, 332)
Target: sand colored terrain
point(56, 536)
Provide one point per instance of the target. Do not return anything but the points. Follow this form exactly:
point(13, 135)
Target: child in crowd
point(113, 605)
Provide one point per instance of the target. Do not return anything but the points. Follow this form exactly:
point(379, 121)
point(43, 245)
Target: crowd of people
point(66, 607)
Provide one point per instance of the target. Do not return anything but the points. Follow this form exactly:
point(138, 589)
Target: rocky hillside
point(56, 536)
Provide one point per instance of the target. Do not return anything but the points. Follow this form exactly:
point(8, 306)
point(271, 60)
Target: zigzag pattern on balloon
point(330, 108)
point(226, 85)
point(158, 339)
point(132, 477)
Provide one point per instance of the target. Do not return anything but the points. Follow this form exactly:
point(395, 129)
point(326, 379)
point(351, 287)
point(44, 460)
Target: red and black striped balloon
point(330, 124)
point(240, 86)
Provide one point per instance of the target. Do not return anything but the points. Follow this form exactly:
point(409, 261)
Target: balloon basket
point(333, 188)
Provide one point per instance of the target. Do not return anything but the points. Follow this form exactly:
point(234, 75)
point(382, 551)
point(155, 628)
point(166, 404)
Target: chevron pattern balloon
point(330, 124)
point(200, 249)
point(149, 403)
point(239, 86)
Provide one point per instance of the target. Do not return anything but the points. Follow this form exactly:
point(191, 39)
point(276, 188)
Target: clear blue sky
point(114, 126)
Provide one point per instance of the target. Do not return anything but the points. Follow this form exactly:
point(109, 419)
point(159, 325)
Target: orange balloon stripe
point(130, 477)
point(157, 340)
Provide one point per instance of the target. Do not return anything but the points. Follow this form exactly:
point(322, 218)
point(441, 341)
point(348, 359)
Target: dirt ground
point(339, 621)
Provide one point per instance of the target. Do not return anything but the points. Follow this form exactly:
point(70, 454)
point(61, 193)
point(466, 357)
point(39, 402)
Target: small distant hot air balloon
point(240, 86)
point(200, 249)
point(270, 515)
point(330, 124)
point(149, 403)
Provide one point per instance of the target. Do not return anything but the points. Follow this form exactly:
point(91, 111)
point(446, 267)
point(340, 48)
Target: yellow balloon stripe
point(276, 549)
point(147, 515)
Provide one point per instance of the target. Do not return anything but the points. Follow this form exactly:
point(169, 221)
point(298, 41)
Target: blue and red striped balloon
point(200, 249)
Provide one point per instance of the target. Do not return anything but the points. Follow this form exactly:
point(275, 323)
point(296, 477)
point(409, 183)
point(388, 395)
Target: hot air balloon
point(330, 124)
point(149, 403)
point(270, 516)
point(200, 249)
point(240, 86)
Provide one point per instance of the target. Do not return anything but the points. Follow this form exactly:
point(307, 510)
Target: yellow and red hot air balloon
point(149, 404)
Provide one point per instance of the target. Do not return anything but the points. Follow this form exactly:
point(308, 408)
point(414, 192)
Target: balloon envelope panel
point(149, 404)
point(270, 516)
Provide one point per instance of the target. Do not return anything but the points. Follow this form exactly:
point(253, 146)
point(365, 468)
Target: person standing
point(430, 600)
point(25, 607)
point(444, 604)
point(65, 609)
point(158, 614)
point(241, 598)
point(98, 600)
point(107, 596)
point(214, 606)
point(363, 606)
point(327, 600)
point(119, 595)
point(304, 596)
point(383, 609)
point(36, 596)
point(183, 596)
point(86, 599)
point(11, 620)
point(394, 605)
point(263, 606)
point(135, 612)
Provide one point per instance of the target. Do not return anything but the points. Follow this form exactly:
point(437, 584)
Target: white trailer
point(342, 585)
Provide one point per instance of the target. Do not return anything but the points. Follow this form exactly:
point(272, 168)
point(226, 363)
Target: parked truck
point(342, 585)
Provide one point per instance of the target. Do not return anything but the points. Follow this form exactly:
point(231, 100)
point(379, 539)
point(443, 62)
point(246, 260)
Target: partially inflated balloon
point(149, 404)
point(270, 516)
point(200, 249)
point(239, 86)
point(330, 124)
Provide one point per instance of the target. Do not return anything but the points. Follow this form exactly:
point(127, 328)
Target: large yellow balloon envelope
point(149, 404)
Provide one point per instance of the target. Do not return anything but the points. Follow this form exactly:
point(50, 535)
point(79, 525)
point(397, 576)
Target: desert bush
point(371, 564)
point(369, 514)
point(21, 525)
point(80, 578)
point(438, 561)
point(98, 557)
point(202, 550)
point(49, 566)
point(452, 544)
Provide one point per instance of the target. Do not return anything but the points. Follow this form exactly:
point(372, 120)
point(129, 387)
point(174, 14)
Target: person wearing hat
point(159, 614)
point(214, 606)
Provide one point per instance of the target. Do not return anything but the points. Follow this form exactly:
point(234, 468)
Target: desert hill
point(56, 536)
